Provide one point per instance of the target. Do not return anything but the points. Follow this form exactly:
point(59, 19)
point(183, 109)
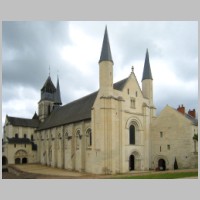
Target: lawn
point(160, 176)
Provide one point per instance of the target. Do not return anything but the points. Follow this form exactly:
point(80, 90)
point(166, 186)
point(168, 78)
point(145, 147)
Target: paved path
point(38, 171)
point(42, 171)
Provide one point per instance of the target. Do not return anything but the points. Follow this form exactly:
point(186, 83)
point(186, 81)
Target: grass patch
point(160, 176)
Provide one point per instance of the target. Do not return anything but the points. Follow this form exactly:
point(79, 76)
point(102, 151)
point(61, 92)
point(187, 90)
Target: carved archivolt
point(21, 153)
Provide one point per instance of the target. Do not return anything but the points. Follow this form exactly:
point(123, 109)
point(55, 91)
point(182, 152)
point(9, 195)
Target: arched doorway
point(4, 160)
point(17, 161)
point(21, 156)
point(24, 160)
point(4, 164)
point(161, 164)
point(131, 162)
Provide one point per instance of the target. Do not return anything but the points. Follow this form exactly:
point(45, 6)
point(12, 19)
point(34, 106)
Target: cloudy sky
point(72, 50)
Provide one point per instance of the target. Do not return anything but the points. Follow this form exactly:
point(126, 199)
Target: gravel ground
point(44, 172)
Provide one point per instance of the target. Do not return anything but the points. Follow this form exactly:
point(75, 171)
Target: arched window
point(31, 137)
point(49, 109)
point(132, 134)
point(89, 138)
point(77, 139)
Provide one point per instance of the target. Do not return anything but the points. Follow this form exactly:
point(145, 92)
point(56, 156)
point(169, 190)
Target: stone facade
point(18, 145)
point(113, 130)
point(172, 138)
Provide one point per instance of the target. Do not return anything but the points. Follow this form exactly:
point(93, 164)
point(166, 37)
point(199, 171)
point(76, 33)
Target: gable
point(132, 85)
point(171, 115)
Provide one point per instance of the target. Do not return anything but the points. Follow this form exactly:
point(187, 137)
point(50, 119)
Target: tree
point(175, 164)
point(195, 137)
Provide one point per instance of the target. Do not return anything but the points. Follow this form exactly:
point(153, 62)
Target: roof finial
point(57, 73)
point(49, 70)
point(132, 68)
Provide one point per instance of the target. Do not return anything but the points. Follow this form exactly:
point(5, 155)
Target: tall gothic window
point(132, 134)
point(89, 138)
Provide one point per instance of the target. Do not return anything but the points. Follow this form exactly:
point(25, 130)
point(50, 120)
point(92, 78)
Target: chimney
point(181, 109)
point(192, 113)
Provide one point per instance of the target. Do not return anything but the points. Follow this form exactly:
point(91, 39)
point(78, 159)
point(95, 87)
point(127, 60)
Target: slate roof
point(120, 85)
point(16, 121)
point(75, 111)
point(194, 120)
point(35, 116)
point(19, 140)
point(105, 51)
point(48, 86)
point(147, 69)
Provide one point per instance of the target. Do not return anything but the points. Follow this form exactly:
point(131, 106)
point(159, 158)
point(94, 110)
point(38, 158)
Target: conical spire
point(48, 86)
point(57, 94)
point(35, 116)
point(147, 69)
point(105, 51)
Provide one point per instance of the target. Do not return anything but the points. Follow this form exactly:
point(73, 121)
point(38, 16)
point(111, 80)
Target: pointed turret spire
point(57, 94)
point(48, 86)
point(105, 51)
point(147, 69)
point(35, 116)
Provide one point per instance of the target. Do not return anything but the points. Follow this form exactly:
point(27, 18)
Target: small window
point(168, 147)
point(160, 149)
point(89, 138)
point(31, 137)
point(128, 91)
point(77, 139)
point(24, 135)
point(136, 93)
point(16, 135)
point(161, 134)
point(49, 109)
point(132, 103)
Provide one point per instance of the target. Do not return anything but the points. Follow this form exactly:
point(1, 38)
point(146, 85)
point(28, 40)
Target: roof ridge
point(91, 93)
point(20, 118)
point(79, 99)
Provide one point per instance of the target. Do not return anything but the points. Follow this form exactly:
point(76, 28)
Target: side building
point(18, 145)
point(174, 141)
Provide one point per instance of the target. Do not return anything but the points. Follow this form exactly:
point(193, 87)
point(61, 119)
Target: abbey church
point(112, 130)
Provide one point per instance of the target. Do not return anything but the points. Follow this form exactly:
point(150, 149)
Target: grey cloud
point(175, 96)
point(29, 48)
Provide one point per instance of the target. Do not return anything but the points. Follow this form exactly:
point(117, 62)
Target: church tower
point(147, 80)
point(47, 100)
point(106, 67)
